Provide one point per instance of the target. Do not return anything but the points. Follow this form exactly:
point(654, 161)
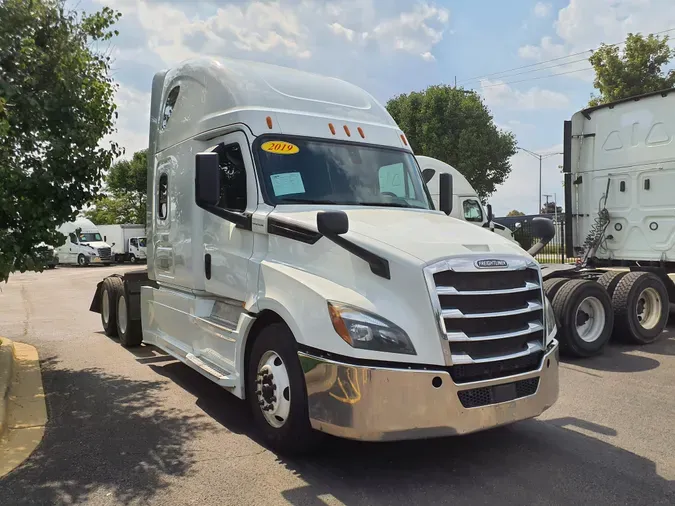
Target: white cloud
point(310, 34)
point(521, 189)
point(584, 24)
point(542, 10)
point(496, 93)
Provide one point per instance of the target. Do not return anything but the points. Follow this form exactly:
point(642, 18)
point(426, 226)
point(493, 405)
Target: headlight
point(549, 319)
point(361, 329)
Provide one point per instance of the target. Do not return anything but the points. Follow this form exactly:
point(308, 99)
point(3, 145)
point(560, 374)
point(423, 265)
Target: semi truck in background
point(128, 242)
point(282, 266)
point(466, 203)
point(619, 168)
point(84, 244)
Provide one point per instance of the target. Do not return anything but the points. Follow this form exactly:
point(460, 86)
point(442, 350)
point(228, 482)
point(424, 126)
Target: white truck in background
point(128, 242)
point(283, 269)
point(466, 203)
point(619, 167)
point(84, 244)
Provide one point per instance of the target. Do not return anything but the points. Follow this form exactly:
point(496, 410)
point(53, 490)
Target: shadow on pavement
point(630, 358)
point(105, 432)
point(533, 462)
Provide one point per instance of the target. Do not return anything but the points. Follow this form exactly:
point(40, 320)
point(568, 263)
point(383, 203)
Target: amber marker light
point(363, 136)
point(339, 324)
point(269, 122)
point(332, 128)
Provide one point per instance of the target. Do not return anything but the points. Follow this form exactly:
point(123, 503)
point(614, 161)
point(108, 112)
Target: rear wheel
point(275, 388)
point(584, 311)
point(551, 286)
point(129, 331)
point(110, 290)
point(641, 307)
point(610, 279)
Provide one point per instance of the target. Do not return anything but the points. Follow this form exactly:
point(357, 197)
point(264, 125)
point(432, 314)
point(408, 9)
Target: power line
point(551, 60)
point(542, 68)
point(537, 78)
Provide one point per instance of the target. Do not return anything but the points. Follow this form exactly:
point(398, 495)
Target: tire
point(295, 434)
point(117, 258)
point(132, 259)
point(81, 260)
point(575, 301)
point(551, 286)
point(610, 279)
point(51, 266)
point(129, 331)
point(640, 292)
point(110, 290)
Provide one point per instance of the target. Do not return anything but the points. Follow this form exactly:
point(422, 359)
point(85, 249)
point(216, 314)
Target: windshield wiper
point(306, 201)
point(388, 204)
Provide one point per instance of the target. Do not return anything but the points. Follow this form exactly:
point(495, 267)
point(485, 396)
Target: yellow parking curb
point(26, 413)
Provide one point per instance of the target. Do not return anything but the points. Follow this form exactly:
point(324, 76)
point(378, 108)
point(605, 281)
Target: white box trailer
point(128, 242)
point(619, 167)
point(282, 268)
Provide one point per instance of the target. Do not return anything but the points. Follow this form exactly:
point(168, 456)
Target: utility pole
point(540, 158)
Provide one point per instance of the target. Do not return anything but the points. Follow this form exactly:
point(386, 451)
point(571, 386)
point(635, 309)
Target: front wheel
point(132, 259)
point(81, 260)
point(275, 388)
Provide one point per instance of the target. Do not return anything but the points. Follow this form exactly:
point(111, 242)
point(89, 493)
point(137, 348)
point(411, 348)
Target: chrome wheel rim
point(122, 315)
point(273, 389)
point(648, 308)
point(80, 260)
point(105, 307)
point(590, 319)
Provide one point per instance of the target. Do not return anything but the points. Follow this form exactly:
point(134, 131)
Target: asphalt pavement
point(138, 427)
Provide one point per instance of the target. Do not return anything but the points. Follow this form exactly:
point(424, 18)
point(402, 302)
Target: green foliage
point(456, 127)
point(127, 183)
point(116, 209)
point(56, 105)
point(515, 213)
point(636, 70)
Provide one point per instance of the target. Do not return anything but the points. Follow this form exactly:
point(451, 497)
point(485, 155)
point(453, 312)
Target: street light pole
point(540, 157)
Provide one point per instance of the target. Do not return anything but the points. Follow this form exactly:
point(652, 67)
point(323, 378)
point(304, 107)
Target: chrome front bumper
point(385, 404)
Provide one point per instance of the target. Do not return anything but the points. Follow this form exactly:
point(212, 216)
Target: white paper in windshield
point(287, 183)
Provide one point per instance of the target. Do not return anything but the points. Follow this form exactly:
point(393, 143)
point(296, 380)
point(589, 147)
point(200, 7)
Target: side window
point(134, 243)
point(395, 179)
point(163, 197)
point(473, 211)
point(169, 106)
point(73, 238)
point(232, 177)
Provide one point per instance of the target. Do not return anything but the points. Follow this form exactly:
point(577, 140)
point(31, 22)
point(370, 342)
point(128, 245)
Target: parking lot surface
point(138, 427)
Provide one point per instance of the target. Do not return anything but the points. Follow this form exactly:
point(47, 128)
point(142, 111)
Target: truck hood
point(426, 235)
point(96, 244)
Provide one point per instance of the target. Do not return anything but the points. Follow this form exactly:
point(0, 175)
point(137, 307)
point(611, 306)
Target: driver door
point(227, 246)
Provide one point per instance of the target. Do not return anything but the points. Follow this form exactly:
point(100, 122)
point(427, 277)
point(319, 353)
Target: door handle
point(207, 266)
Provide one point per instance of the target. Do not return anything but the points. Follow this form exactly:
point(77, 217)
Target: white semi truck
point(84, 244)
point(128, 242)
point(619, 167)
point(283, 267)
point(466, 204)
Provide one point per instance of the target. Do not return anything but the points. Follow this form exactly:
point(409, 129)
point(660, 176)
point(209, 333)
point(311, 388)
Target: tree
point(457, 128)
point(116, 209)
point(56, 105)
point(636, 70)
point(515, 213)
point(127, 183)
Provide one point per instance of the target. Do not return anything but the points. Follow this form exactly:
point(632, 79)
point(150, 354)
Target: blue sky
point(396, 46)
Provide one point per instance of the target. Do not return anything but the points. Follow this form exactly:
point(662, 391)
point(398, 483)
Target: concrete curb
point(6, 369)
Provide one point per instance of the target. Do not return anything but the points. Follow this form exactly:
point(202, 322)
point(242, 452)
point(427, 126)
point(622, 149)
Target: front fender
point(300, 299)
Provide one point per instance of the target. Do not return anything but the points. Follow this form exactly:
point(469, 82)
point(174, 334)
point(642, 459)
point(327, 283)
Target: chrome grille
point(489, 316)
point(104, 253)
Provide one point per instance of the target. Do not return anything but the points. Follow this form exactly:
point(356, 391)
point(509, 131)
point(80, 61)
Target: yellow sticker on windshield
point(280, 147)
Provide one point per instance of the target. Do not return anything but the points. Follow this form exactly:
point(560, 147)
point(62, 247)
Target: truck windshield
point(303, 171)
point(90, 237)
point(141, 242)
